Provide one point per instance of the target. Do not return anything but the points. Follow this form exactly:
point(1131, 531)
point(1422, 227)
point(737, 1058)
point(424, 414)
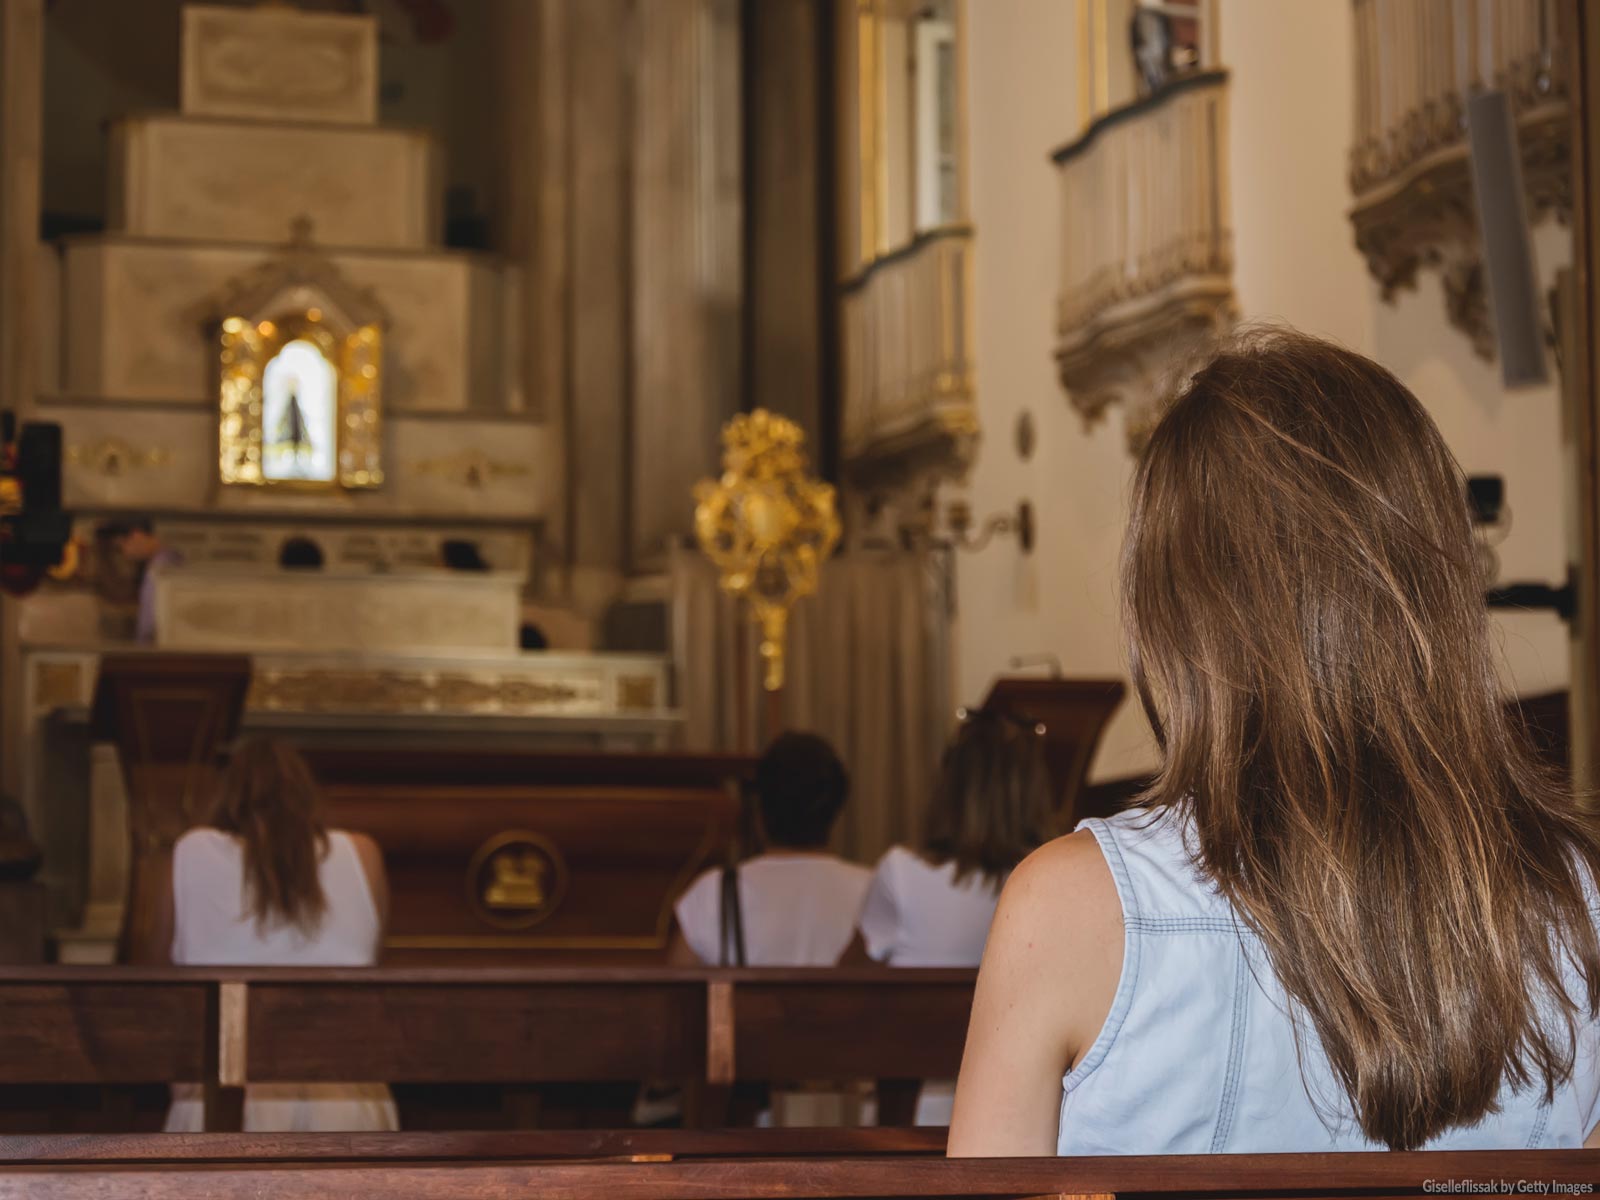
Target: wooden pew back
point(55, 1028)
point(229, 1028)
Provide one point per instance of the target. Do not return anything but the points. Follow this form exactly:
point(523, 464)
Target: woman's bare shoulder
point(1069, 868)
point(1058, 932)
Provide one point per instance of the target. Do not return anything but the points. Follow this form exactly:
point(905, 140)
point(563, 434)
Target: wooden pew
point(229, 1028)
point(151, 1027)
point(1262, 1177)
point(616, 837)
point(519, 1145)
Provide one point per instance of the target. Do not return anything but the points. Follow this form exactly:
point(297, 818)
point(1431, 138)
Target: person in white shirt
point(265, 883)
point(798, 903)
point(930, 906)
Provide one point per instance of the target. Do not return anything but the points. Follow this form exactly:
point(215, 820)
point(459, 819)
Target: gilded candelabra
point(766, 525)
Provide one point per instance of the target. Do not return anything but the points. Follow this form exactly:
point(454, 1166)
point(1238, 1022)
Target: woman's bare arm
point(1050, 972)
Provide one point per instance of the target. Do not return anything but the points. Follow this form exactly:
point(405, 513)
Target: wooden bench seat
point(1262, 1177)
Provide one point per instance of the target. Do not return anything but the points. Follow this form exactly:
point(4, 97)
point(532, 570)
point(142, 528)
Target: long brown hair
point(992, 804)
point(270, 801)
point(1308, 635)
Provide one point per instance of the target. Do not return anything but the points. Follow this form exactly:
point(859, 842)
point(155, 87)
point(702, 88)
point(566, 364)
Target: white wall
point(1290, 126)
point(1022, 96)
point(1291, 109)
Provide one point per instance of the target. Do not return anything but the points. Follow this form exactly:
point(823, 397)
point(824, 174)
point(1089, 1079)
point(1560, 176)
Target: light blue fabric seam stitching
point(1230, 1087)
point(1123, 1000)
point(1164, 925)
point(1537, 1136)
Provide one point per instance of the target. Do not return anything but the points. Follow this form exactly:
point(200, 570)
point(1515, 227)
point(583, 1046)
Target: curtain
point(868, 668)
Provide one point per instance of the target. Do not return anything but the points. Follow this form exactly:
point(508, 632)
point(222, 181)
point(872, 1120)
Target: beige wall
point(1296, 262)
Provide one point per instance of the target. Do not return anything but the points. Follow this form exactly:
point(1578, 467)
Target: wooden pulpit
point(1074, 713)
point(170, 716)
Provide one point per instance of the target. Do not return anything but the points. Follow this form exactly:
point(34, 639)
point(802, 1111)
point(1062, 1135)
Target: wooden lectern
point(170, 716)
point(1075, 713)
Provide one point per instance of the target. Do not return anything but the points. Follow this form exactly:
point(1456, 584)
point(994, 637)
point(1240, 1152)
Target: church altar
point(227, 608)
point(269, 343)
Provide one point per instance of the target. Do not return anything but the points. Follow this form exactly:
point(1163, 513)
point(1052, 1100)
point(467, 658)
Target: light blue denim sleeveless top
point(1198, 1052)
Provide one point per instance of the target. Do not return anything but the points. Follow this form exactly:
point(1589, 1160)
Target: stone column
point(785, 274)
point(21, 138)
point(687, 274)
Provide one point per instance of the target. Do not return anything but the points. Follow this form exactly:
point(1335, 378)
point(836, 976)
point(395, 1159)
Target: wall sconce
point(958, 518)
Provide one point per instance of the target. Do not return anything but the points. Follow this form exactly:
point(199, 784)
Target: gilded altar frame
point(356, 356)
point(298, 295)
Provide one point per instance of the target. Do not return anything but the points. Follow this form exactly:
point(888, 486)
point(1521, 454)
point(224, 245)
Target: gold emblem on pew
point(516, 879)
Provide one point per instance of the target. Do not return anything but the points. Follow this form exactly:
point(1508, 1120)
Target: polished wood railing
point(909, 406)
point(1146, 248)
point(1417, 61)
point(430, 1173)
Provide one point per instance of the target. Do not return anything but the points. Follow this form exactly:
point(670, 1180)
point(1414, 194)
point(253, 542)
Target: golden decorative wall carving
point(1410, 166)
point(112, 456)
point(766, 525)
point(471, 468)
point(330, 690)
point(58, 684)
point(637, 693)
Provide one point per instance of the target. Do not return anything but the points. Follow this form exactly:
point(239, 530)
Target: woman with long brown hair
point(992, 805)
point(1353, 911)
point(266, 883)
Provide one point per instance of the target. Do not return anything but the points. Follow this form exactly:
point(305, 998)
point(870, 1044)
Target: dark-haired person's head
point(300, 554)
point(801, 787)
point(134, 537)
point(993, 804)
point(462, 554)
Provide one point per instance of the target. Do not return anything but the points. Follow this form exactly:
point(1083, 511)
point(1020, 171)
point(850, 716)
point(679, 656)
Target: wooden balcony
point(1410, 166)
point(908, 378)
point(1146, 249)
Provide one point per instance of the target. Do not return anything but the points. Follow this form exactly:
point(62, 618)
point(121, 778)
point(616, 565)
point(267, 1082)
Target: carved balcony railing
point(908, 395)
point(1146, 251)
point(1417, 61)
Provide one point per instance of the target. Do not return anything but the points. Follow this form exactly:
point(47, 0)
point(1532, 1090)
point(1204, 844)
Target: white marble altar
point(244, 181)
point(219, 608)
point(274, 63)
point(134, 332)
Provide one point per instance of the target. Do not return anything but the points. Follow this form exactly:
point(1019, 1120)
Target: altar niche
point(300, 402)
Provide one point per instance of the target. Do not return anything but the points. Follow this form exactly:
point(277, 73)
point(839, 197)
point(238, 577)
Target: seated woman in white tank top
point(266, 884)
point(931, 906)
point(990, 808)
point(1355, 912)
